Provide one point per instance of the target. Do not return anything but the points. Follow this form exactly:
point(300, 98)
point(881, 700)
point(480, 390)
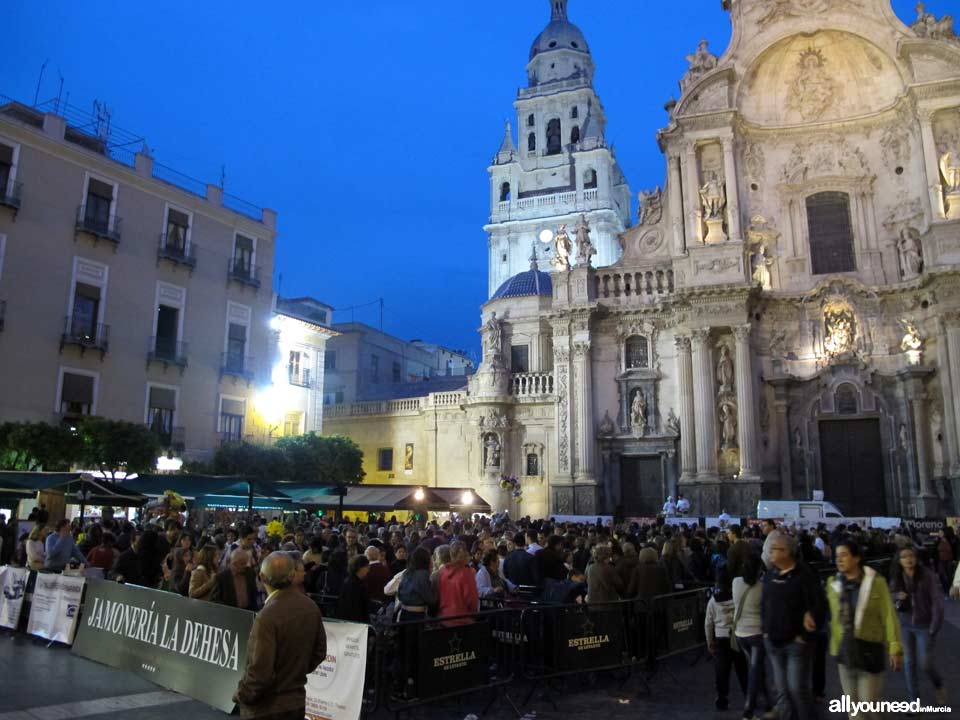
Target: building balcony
point(167, 351)
point(85, 335)
point(243, 273)
point(99, 227)
point(174, 250)
point(531, 384)
point(300, 377)
point(231, 438)
point(10, 193)
point(173, 439)
point(236, 365)
point(635, 286)
point(556, 203)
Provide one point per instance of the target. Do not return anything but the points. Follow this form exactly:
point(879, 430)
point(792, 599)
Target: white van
point(797, 509)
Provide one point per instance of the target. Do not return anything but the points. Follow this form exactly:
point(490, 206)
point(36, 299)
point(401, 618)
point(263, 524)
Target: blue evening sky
point(367, 125)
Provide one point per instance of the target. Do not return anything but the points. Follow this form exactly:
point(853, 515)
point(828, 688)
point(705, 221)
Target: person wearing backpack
point(718, 625)
point(748, 631)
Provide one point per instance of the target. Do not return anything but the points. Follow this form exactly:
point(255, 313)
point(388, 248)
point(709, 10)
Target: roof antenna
point(36, 95)
point(223, 177)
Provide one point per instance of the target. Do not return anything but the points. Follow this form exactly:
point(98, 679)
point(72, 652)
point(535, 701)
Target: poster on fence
point(55, 606)
point(195, 647)
point(589, 640)
point(13, 582)
point(335, 689)
point(683, 624)
point(454, 658)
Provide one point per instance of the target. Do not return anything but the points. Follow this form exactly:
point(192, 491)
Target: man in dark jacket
point(237, 585)
point(793, 607)
point(519, 566)
point(286, 644)
point(738, 553)
point(550, 567)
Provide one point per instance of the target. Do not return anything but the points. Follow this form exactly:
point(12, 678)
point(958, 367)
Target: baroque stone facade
point(784, 317)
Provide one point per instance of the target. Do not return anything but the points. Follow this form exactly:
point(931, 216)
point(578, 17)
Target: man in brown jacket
point(287, 643)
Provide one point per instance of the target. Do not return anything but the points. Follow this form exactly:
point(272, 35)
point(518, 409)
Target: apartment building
point(127, 290)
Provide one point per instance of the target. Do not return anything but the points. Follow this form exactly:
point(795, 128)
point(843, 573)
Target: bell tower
point(560, 166)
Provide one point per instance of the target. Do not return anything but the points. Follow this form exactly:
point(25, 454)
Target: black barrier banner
point(587, 640)
point(453, 659)
point(194, 647)
point(684, 624)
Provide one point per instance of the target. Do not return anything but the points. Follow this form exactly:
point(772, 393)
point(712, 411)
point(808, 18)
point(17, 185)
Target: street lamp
point(467, 498)
point(83, 495)
point(546, 235)
point(419, 495)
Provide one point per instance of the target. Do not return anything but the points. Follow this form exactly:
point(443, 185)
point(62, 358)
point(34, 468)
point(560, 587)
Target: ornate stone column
point(932, 165)
point(781, 403)
point(675, 190)
point(561, 370)
point(691, 195)
point(705, 400)
point(949, 402)
point(733, 191)
point(583, 407)
point(953, 343)
point(688, 438)
point(746, 410)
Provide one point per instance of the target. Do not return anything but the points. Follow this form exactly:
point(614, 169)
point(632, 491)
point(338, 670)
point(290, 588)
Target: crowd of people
point(769, 606)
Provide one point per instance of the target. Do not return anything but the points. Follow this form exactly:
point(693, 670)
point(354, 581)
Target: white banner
point(55, 606)
point(13, 583)
point(335, 689)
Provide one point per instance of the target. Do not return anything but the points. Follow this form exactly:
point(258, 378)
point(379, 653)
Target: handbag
point(868, 656)
point(736, 619)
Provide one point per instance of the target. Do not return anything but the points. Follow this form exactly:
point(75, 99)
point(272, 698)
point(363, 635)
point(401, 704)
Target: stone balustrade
point(571, 201)
point(635, 287)
point(531, 384)
point(447, 399)
point(404, 406)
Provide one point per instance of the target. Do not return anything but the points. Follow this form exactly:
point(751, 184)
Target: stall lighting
point(419, 495)
point(467, 498)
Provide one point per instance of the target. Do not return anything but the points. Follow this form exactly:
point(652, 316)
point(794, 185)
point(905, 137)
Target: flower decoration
point(275, 528)
point(511, 483)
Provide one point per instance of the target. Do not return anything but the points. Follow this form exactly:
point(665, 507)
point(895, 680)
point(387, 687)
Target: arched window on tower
point(575, 134)
point(531, 121)
point(575, 113)
point(590, 179)
point(532, 142)
point(638, 352)
point(831, 233)
point(505, 192)
point(554, 144)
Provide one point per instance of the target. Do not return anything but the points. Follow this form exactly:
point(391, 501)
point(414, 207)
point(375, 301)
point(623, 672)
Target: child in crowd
point(718, 625)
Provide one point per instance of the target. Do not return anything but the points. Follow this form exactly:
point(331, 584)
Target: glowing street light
point(467, 498)
point(419, 495)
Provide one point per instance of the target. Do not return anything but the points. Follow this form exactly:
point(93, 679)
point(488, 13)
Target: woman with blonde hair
point(36, 553)
point(204, 575)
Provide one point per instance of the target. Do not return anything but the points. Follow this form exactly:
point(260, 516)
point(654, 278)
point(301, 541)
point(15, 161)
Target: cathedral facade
point(783, 316)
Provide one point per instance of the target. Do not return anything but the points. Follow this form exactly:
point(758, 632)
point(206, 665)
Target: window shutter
point(232, 407)
point(175, 217)
point(6, 155)
point(90, 292)
point(238, 332)
point(244, 243)
point(77, 389)
point(163, 398)
point(100, 189)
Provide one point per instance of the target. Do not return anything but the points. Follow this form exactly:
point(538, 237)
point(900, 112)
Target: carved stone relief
point(650, 209)
point(701, 62)
point(813, 90)
point(775, 10)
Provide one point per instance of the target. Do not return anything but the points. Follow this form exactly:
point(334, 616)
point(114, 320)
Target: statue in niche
point(673, 423)
point(813, 90)
point(839, 332)
point(606, 425)
point(492, 449)
point(638, 413)
point(950, 167)
point(911, 254)
point(778, 344)
point(650, 210)
point(761, 267)
point(585, 248)
point(728, 426)
point(903, 437)
point(561, 248)
point(911, 340)
point(701, 62)
point(927, 26)
point(713, 196)
point(493, 338)
point(725, 370)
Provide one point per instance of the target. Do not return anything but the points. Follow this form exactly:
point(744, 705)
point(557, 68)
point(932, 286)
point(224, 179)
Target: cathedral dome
point(530, 282)
point(560, 34)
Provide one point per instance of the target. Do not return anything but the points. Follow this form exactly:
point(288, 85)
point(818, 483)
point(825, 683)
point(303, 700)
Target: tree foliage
point(323, 459)
point(30, 446)
point(113, 446)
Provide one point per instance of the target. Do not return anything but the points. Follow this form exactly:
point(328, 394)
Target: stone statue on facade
point(585, 248)
point(911, 254)
point(725, 370)
point(761, 267)
point(813, 91)
point(950, 169)
point(912, 342)
point(492, 450)
point(650, 210)
point(493, 339)
point(561, 248)
point(673, 423)
point(903, 437)
point(778, 344)
point(701, 62)
point(839, 332)
point(638, 413)
point(927, 26)
point(713, 200)
point(606, 425)
point(728, 425)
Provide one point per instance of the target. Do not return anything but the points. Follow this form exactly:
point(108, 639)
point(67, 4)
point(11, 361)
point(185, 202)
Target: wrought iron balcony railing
point(299, 376)
point(99, 225)
point(236, 365)
point(174, 248)
point(167, 351)
point(243, 272)
point(79, 331)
